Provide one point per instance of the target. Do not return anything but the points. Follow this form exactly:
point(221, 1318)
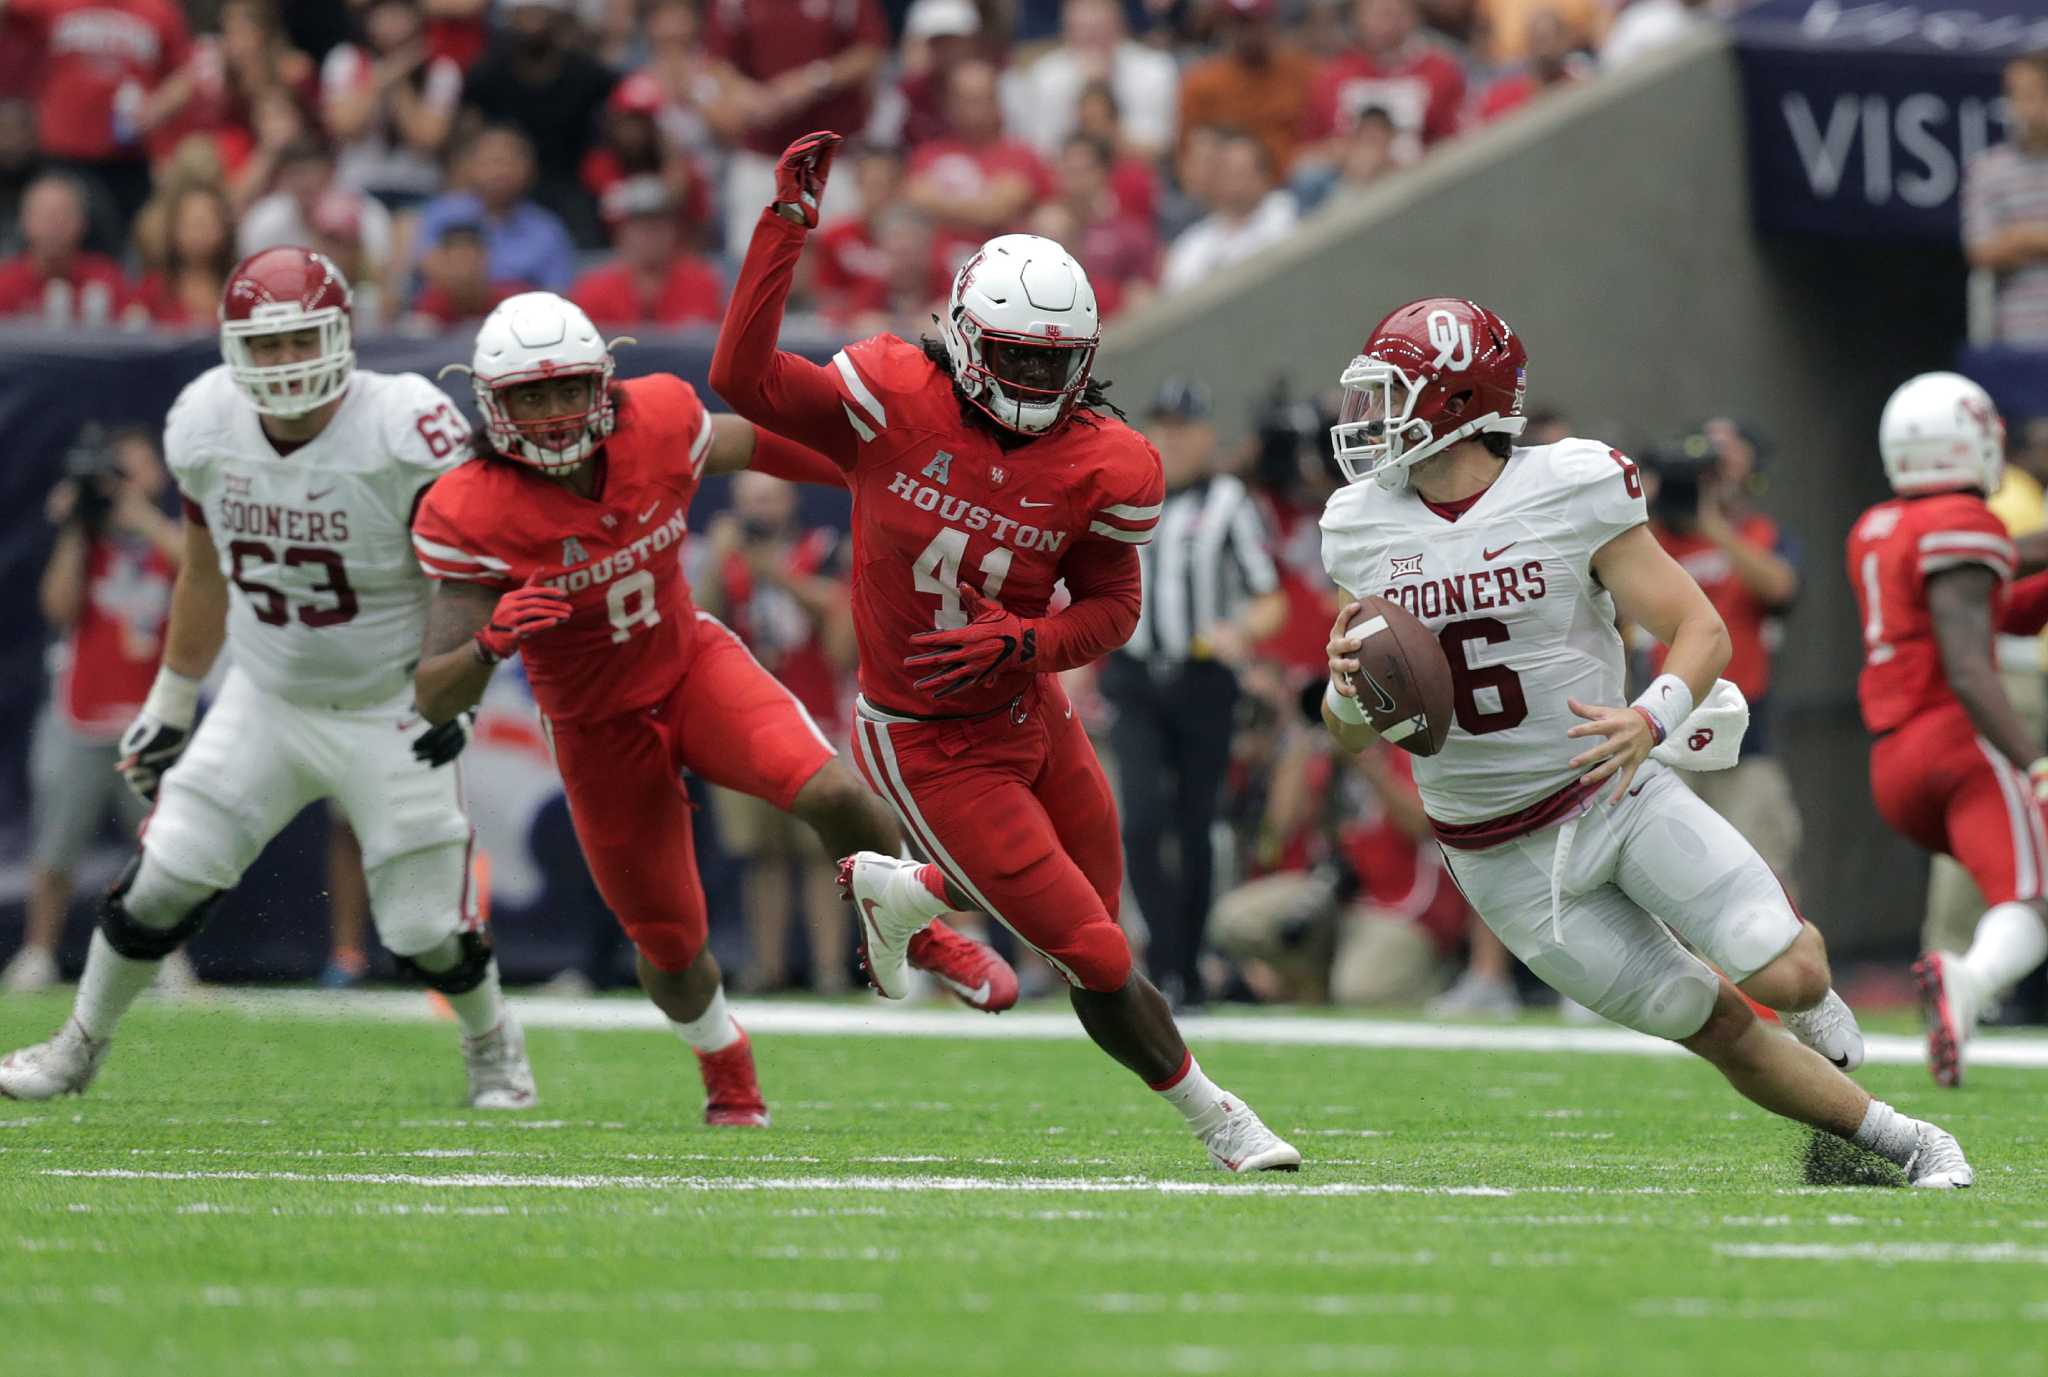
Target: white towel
point(1711, 738)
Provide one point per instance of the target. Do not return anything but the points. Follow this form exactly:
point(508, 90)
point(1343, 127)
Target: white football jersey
point(1509, 589)
point(326, 600)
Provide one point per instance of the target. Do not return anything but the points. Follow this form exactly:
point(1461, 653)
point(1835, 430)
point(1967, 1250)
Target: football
point(1404, 679)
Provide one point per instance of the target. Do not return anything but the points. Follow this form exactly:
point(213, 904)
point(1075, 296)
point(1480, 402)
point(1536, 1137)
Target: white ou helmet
point(532, 336)
point(1021, 329)
point(282, 291)
point(1940, 430)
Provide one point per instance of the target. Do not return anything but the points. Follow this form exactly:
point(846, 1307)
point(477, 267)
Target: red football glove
point(523, 613)
point(800, 175)
point(993, 640)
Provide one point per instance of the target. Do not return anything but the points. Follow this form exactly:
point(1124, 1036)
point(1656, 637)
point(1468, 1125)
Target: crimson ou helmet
point(282, 291)
point(1432, 373)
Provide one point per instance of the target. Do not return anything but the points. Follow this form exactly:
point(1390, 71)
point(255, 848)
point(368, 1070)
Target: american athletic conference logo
point(573, 552)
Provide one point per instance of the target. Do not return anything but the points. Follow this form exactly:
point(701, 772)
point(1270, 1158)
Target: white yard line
point(1886, 1252)
point(1279, 1028)
point(922, 1185)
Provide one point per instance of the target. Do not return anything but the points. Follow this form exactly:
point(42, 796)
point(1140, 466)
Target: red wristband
point(1656, 727)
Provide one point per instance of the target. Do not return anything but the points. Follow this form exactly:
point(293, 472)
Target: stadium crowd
point(450, 152)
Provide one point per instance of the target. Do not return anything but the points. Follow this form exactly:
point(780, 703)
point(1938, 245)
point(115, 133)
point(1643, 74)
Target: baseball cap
point(942, 19)
point(638, 94)
point(1182, 399)
point(643, 195)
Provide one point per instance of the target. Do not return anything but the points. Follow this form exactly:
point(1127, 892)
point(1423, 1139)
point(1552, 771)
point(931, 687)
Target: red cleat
point(970, 969)
point(1948, 1025)
point(732, 1092)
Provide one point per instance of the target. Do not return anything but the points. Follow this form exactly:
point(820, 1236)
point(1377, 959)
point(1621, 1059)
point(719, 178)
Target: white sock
point(2011, 940)
point(711, 1031)
point(1192, 1093)
point(482, 1009)
point(1888, 1133)
point(111, 984)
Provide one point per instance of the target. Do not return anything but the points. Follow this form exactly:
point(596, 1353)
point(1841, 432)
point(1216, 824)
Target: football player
point(561, 541)
point(1952, 768)
point(985, 468)
point(1580, 851)
point(299, 473)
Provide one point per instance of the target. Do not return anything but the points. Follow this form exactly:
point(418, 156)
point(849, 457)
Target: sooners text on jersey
point(936, 500)
point(1892, 549)
point(617, 554)
point(1509, 589)
point(326, 602)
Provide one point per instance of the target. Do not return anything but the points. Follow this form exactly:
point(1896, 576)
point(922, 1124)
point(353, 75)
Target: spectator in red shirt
point(535, 79)
point(798, 65)
point(1554, 61)
point(633, 143)
point(654, 279)
point(978, 182)
point(699, 91)
point(389, 105)
point(55, 278)
point(217, 95)
point(1120, 252)
point(103, 64)
point(938, 35)
point(782, 588)
point(1420, 86)
point(186, 239)
point(1134, 176)
point(458, 288)
point(853, 273)
point(106, 592)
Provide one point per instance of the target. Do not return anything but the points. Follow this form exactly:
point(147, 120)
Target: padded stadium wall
point(1611, 225)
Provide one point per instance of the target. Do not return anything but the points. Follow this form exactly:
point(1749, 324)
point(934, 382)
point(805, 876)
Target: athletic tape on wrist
point(1345, 708)
point(173, 698)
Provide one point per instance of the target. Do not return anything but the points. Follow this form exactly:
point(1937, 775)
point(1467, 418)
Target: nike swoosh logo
point(1027, 502)
point(867, 917)
point(1382, 701)
point(649, 512)
point(1842, 1062)
point(316, 496)
point(977, 995)
point(1496, 554)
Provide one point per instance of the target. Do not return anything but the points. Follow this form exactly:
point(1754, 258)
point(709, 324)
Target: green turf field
point(251, 1195)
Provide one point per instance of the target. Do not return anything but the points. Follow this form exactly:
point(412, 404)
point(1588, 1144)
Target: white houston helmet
point(537, 335)
point(1940, 430)
point(1021, 329)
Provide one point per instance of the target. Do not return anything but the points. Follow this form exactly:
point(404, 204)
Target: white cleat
point(1830, 1029)
point(31, 970)
point(65, 1065)
point(1239, 1141)
point(500, 1077)
point(1938, 1164)
point(1476, 996)
point(1948, 1003)
point(893, 906)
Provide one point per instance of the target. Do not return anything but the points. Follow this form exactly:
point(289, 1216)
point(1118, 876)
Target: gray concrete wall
point(1611, 227)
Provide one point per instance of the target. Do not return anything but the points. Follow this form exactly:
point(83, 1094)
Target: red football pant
point(727, 720)
point(1939, 783)
point(1014, 808)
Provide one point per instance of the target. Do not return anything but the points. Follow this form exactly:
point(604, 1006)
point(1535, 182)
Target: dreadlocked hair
point(1094, 397)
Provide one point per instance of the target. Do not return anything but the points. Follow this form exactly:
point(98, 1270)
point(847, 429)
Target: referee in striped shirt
point(1211, 592)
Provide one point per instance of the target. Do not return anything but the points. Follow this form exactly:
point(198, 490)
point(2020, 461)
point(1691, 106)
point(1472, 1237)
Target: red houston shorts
point(1939, 783)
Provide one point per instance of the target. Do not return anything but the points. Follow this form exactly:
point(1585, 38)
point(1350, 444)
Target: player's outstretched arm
point(1343, 718)
point(740, 444)
point(784, 392)
point(1959, 604)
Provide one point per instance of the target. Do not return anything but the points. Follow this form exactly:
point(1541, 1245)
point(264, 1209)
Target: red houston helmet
point(282, 291)
point(1433, 372)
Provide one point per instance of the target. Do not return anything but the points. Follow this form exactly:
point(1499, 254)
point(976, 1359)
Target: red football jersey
point(936, 500)
point(1892, 549)
point(617, 553)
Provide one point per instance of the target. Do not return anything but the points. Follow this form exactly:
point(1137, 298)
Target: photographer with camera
point(106, 593)
point(1701, 490)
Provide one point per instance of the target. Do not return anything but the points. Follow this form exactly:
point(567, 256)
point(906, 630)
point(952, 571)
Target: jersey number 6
point(937, 570)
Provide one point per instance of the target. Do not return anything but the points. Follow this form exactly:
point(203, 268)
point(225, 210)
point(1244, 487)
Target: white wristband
point(1668, 700)
point(173, 698)
point(1344, 707)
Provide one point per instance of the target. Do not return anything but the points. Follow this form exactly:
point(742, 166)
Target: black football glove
point(149, 747)
point(438, 745)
